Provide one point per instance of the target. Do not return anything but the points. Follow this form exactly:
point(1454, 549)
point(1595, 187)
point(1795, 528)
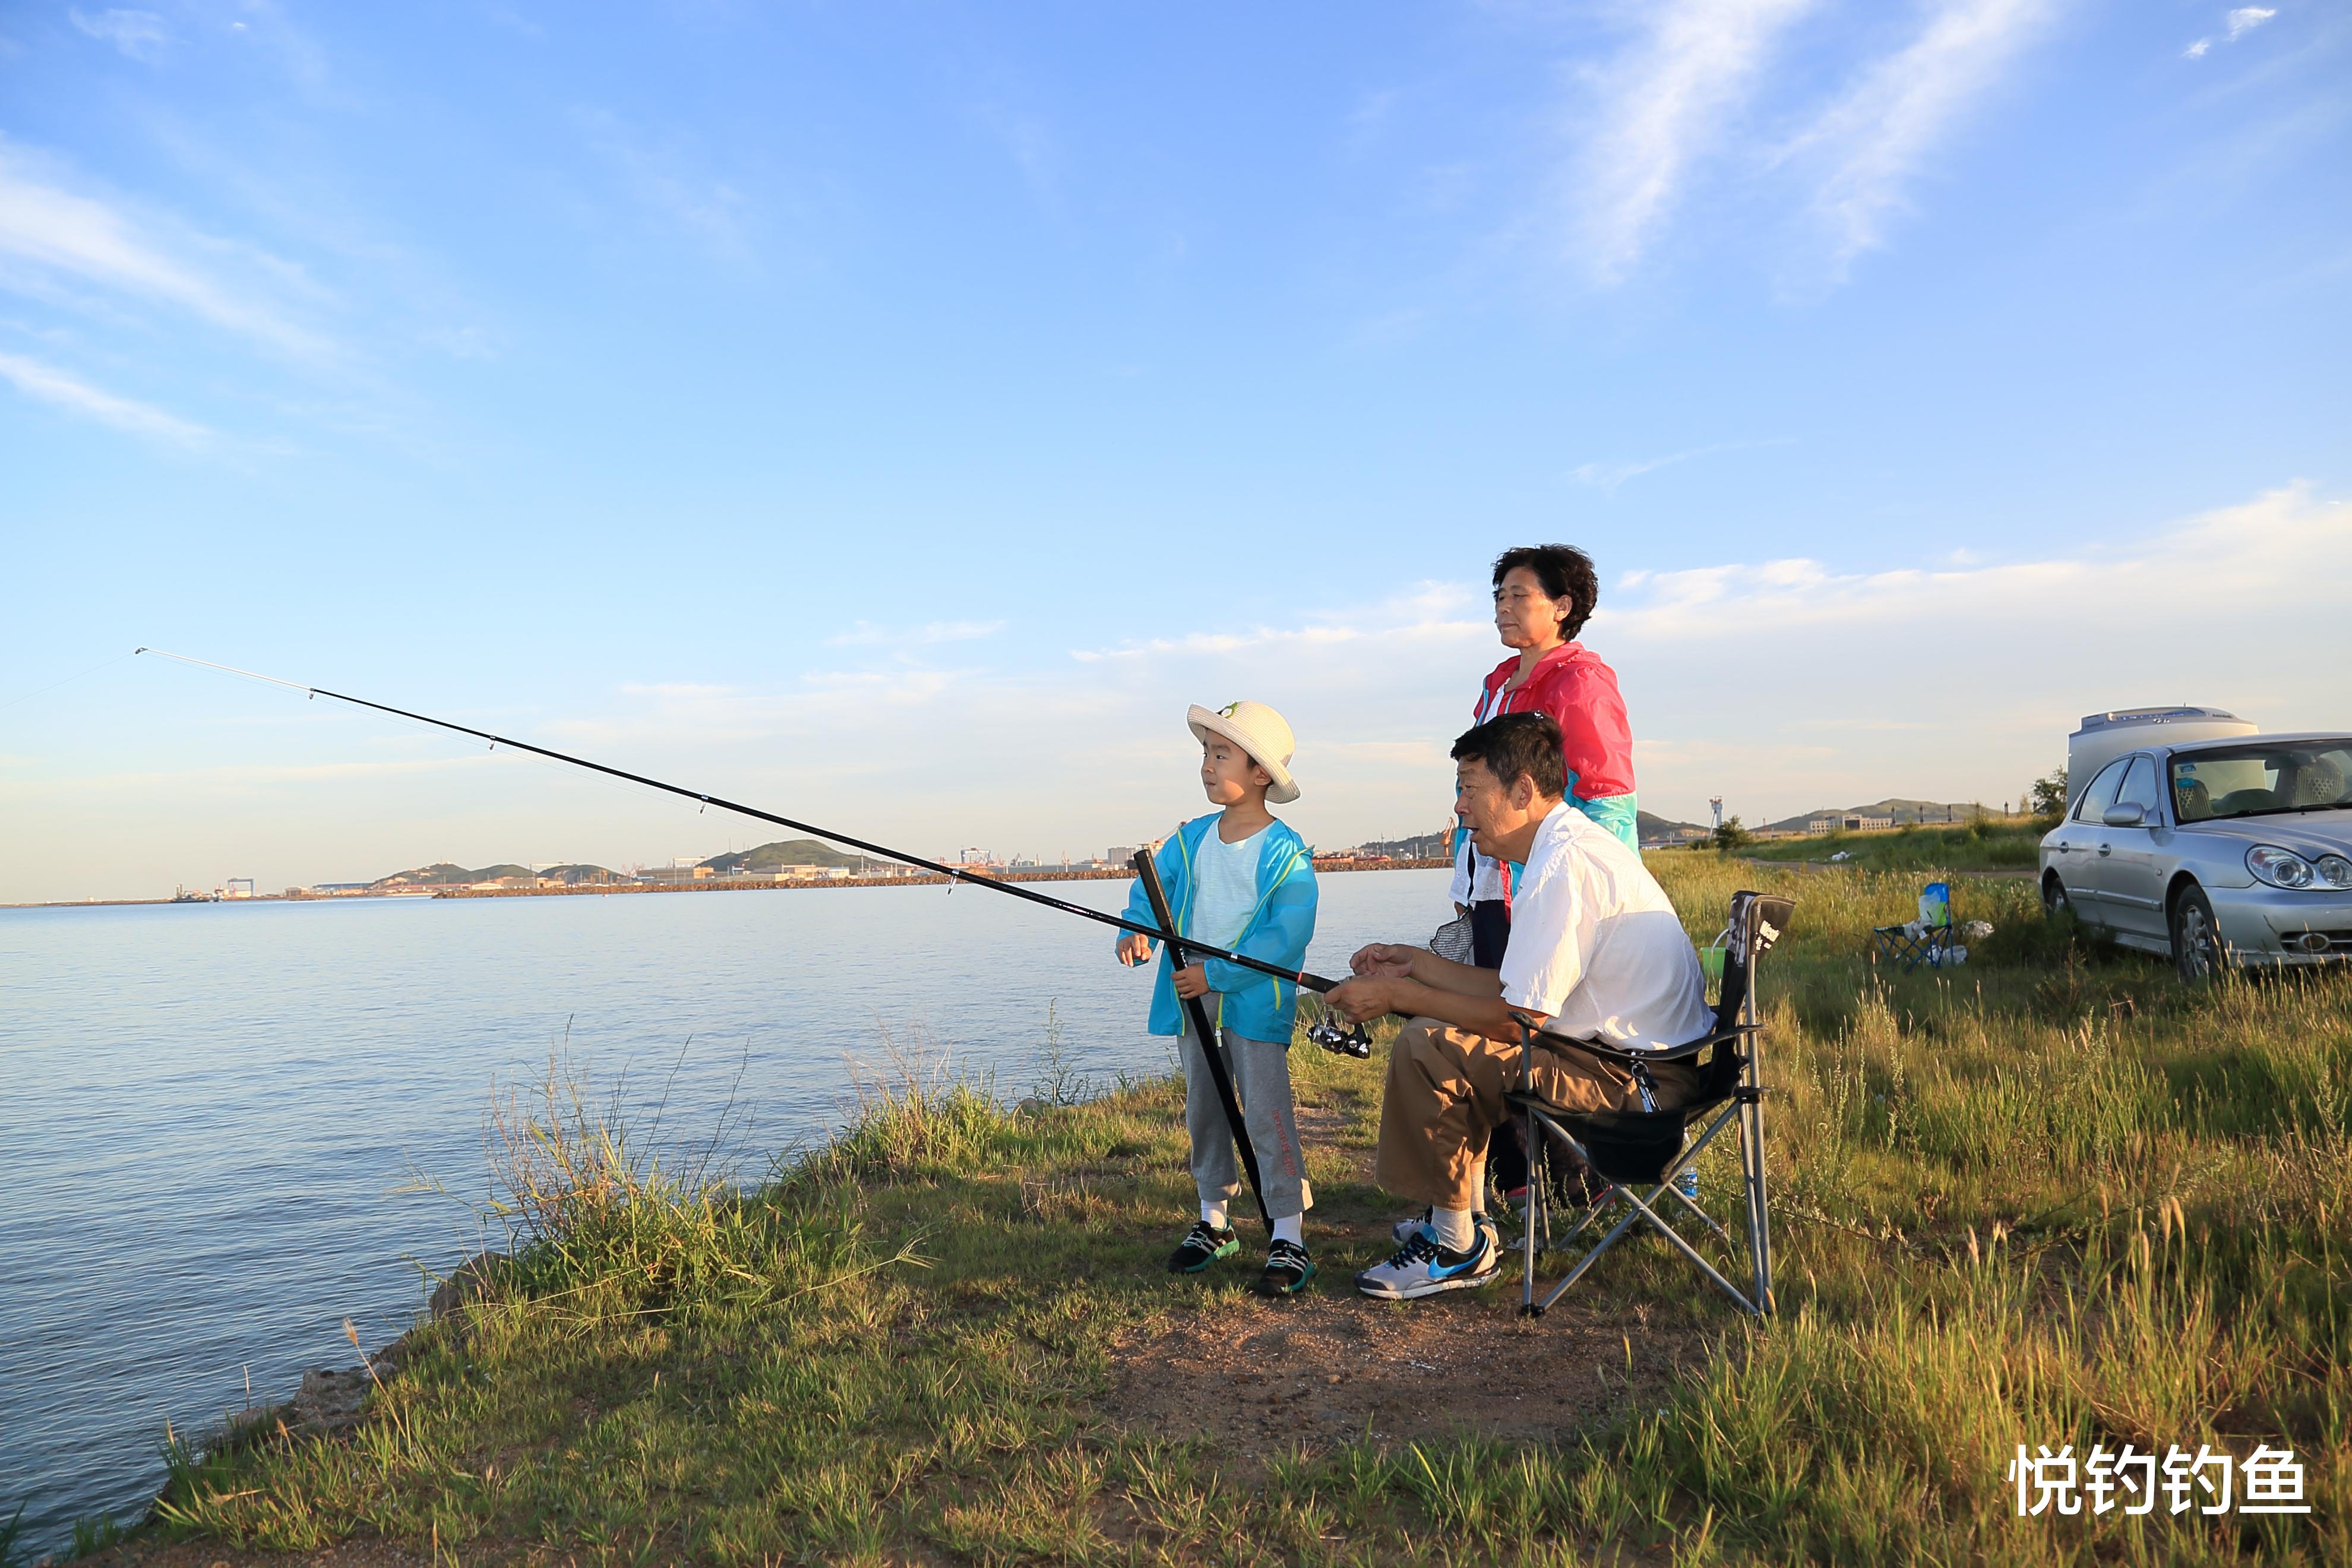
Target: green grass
point(1986, 845)
point(2052, 1198)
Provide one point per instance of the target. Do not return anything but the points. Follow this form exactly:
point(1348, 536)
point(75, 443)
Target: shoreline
point(708, 885)
point(916, 880)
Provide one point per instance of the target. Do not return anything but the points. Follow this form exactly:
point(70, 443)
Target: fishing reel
point(1354, 1041)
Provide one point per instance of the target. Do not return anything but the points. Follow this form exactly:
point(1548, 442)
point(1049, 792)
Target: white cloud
point(139, 34)
point(58, 230)
point(52, 385)
point(1670, 103)
point(2233, 558)
point(1609, 475)
point(1752, 680)
point(2246, 18)
point(667, 182)
point(2240, 21)
point(1788, 684)
point(1871, 142)
point(1433, 612)
point(1782, 686)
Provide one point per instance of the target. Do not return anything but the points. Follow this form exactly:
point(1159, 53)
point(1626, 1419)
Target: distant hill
point(1430, 846)
point(579, 876)
point(442, 874)
point(1422, 847)
point(1904, 812)
point(784, 852)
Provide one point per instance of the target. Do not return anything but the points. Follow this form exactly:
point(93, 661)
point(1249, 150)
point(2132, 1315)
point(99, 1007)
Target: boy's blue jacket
point(1253, 1005)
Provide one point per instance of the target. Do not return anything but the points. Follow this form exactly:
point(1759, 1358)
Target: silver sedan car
point(2215, 853)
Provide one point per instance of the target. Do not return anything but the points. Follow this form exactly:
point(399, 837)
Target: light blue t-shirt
point(1225, 889)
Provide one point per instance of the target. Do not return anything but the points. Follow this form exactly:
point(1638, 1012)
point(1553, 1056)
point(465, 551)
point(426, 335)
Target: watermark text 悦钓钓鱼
point(2128, 1480)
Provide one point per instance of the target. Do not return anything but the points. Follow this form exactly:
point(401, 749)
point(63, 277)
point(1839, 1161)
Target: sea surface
point(221, 1122)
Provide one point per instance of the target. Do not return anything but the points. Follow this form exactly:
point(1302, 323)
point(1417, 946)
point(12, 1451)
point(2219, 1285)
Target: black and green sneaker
point(1287, 1269)
point(1203, 1244)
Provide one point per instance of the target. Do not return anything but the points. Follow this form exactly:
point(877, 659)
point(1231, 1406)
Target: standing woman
point(1543, 595)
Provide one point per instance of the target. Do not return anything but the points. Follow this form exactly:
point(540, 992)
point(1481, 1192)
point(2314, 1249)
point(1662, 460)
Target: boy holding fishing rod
point(1240, 880)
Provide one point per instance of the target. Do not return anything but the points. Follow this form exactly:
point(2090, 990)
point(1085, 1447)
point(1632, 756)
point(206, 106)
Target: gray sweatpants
point(1261, 1074)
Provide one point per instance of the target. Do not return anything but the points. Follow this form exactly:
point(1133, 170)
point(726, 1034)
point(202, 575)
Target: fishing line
point(412, 721)
point(68, 680)
point(953, 874)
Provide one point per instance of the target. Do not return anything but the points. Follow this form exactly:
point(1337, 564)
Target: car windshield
point(2263, 777)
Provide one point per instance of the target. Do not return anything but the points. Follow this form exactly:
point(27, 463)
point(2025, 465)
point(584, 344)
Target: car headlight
point(2335, 870)
point(2283, 868)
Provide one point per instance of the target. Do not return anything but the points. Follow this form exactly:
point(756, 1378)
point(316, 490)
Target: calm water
point(208, 1110)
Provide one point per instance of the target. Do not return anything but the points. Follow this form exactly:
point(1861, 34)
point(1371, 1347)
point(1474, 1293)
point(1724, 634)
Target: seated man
point(1596, 952)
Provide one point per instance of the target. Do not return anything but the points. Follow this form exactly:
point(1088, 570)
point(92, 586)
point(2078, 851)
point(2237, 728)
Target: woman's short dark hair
point(1565, 571)
point(1518, 744)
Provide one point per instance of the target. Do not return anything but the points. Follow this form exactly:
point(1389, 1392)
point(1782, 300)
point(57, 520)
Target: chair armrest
point(1671, 1054)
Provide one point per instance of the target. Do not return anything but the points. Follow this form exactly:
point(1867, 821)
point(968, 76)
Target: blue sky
point(897, 414)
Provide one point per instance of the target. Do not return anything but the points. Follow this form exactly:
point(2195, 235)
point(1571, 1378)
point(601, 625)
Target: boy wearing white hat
point(1238, 879)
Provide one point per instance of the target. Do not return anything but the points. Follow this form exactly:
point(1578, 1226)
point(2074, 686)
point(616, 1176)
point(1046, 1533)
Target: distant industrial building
point(679, 869)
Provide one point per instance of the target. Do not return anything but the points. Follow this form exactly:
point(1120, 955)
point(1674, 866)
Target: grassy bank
point(1986, 845)
point(2053, 1198)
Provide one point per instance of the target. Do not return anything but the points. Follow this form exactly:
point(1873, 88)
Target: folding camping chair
point(1932, 939)
point(1648, 1148)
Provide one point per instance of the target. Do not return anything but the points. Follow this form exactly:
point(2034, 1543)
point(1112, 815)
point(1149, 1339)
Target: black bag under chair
point(1640, 1152)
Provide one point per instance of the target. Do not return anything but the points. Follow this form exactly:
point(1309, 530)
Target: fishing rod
point(1345, 1043)
point(1213, 1051)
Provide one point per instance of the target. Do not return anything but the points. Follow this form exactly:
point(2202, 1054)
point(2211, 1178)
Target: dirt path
point(1258, 1378)
point(1268, 1377)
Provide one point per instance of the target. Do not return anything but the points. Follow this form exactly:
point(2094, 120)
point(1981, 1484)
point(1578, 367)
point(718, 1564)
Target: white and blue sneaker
point(1423, 1267)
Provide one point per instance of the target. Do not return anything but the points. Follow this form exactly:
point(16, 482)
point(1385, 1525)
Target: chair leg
point(1762, 1250)
point(1697, 1213)
point(1687, 1250)
point(1590, 1259)
point(1639, 1212)
point(1689, 1159)
point(1539, 1178)
point(1747, 1141)
point(1758, 1214)
point(1536, 1121)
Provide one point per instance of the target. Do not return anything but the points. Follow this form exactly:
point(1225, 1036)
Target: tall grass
point(1987, 844)
point(2054, 1197)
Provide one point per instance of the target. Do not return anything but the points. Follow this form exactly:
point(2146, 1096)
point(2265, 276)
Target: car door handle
point(2107, 848)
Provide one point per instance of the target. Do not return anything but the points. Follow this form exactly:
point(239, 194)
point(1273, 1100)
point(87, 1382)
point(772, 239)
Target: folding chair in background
point(1932, 939)
point(1649, 1148)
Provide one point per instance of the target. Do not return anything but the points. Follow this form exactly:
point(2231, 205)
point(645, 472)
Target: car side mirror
point(2126, 814)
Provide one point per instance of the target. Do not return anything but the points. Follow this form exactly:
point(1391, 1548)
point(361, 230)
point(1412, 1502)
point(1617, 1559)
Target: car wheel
point(2197, 949)
point(2055, 901)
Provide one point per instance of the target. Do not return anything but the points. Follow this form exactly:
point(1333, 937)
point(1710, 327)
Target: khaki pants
point(1445, 1097)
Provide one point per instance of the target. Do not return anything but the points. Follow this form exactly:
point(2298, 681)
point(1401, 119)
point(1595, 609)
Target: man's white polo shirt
point(1596, 943)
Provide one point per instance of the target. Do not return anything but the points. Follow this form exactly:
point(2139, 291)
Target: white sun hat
point(1258, 730)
